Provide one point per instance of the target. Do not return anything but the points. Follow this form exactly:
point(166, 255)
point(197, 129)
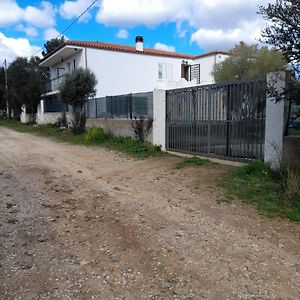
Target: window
point(74, 64)
point(165, 71)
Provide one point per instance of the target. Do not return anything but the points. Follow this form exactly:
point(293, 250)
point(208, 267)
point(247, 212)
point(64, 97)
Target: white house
point(122, 69)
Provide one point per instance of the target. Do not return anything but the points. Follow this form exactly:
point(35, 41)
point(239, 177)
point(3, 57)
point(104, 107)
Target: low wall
point(51, 118)
point(27, 118)
point(118, 127)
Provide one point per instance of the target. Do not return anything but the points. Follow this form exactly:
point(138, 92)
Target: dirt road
point(88, 223)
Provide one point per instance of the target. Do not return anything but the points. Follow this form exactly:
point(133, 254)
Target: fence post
point(159, 118)
point(274, 119)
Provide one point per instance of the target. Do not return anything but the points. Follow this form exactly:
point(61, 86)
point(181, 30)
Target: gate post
point(274, 119)
point(159, 118)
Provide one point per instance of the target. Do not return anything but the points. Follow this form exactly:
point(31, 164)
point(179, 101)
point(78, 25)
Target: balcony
point(52, 86)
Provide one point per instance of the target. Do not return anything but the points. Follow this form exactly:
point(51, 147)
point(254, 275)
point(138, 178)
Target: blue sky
point(187, 26)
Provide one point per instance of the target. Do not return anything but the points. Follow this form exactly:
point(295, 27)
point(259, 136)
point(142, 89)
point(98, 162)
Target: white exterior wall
point(80, 62)
point(121, 73)
point(206, 67)
point(274, 121)
point(159, 118)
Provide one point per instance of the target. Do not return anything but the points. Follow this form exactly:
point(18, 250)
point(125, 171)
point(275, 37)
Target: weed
point(191, 161)
point(93, 137)
point(257, 184)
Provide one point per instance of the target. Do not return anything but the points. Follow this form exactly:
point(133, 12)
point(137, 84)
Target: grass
point(125, 145)
point(257, 184)
point(191, 161)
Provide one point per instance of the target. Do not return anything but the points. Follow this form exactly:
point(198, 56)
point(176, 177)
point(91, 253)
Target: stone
point(12, 221)
point(9, 205)
point(115, 258)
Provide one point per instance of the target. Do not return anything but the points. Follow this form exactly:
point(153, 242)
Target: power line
point(72, 23)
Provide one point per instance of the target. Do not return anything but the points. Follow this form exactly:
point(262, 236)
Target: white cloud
point(122, 34)
point(29, 30)
point(10, 48)
point(50, 33)
point(40, 17)
point(225, 39)
point(228, 21)
point(72, 9)
point(164, 47)
point(11, 13)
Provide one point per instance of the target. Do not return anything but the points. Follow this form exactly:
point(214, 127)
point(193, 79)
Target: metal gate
point(223, 120)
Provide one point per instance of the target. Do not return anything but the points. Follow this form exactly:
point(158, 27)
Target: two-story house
point(122, 69)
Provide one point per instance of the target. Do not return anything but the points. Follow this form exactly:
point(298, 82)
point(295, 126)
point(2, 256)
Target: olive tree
point(248, 62)
point(75, 90)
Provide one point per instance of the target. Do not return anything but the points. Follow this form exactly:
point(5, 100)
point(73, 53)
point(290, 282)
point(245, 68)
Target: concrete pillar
point(159, 118)
point(274, 120)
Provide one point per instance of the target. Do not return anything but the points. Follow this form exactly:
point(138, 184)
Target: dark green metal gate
point(222, 120)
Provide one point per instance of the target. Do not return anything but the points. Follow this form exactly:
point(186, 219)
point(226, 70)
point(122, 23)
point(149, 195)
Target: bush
point(277, 193)
point(62, 121)
point(256, 168)
point(141, 128)
point(95, 135)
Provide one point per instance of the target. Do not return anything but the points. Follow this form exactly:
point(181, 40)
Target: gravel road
point(88, 223)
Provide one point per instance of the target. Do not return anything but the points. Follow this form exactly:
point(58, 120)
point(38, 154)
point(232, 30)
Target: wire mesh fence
point(128, 106)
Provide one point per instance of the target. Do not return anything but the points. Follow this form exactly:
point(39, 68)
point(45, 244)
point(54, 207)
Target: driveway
point(88, 223)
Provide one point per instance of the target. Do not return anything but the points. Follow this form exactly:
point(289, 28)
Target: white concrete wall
point(121, 73)
point(206, 67)
point(51, 118)
point(274, 121)
point(118, 127)
point(79, 59)
point(159, 118)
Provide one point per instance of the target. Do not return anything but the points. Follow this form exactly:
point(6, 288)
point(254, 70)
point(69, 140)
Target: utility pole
point(6, 89)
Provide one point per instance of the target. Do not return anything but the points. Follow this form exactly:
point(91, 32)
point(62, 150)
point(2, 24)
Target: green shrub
point(95, 135)
point(268, 190)
point(191, 161)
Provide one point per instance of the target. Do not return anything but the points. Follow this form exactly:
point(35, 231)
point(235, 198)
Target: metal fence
point(218, 120)
point(123, 106)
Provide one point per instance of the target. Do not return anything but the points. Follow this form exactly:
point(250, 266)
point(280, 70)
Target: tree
point(53, 44)
point(25, 82)
point(248, 62)
point(75, 90)
point(2, 90)
point(283, 30)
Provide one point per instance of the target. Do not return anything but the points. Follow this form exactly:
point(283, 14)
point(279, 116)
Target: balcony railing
point(53, 84)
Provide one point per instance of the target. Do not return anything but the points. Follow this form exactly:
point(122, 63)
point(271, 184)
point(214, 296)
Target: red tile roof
point(130, 49)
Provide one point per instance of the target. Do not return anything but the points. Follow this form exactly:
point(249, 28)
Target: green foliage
point(257, 184)
point(248, 62)
point(122, 144)
point(2, 89)
point(62, 122)
point(283, 29)
point(52, 45)
point(283, 32)
point(141, 128)
point(191, 162)
point(75, 90)
point(25, 82)
point(78, 87)
point(95, 135)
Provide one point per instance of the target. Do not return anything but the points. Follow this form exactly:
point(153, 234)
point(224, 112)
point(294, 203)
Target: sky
point(185, 26)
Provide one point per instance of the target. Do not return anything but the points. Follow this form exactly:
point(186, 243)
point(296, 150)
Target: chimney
point(139, 43)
